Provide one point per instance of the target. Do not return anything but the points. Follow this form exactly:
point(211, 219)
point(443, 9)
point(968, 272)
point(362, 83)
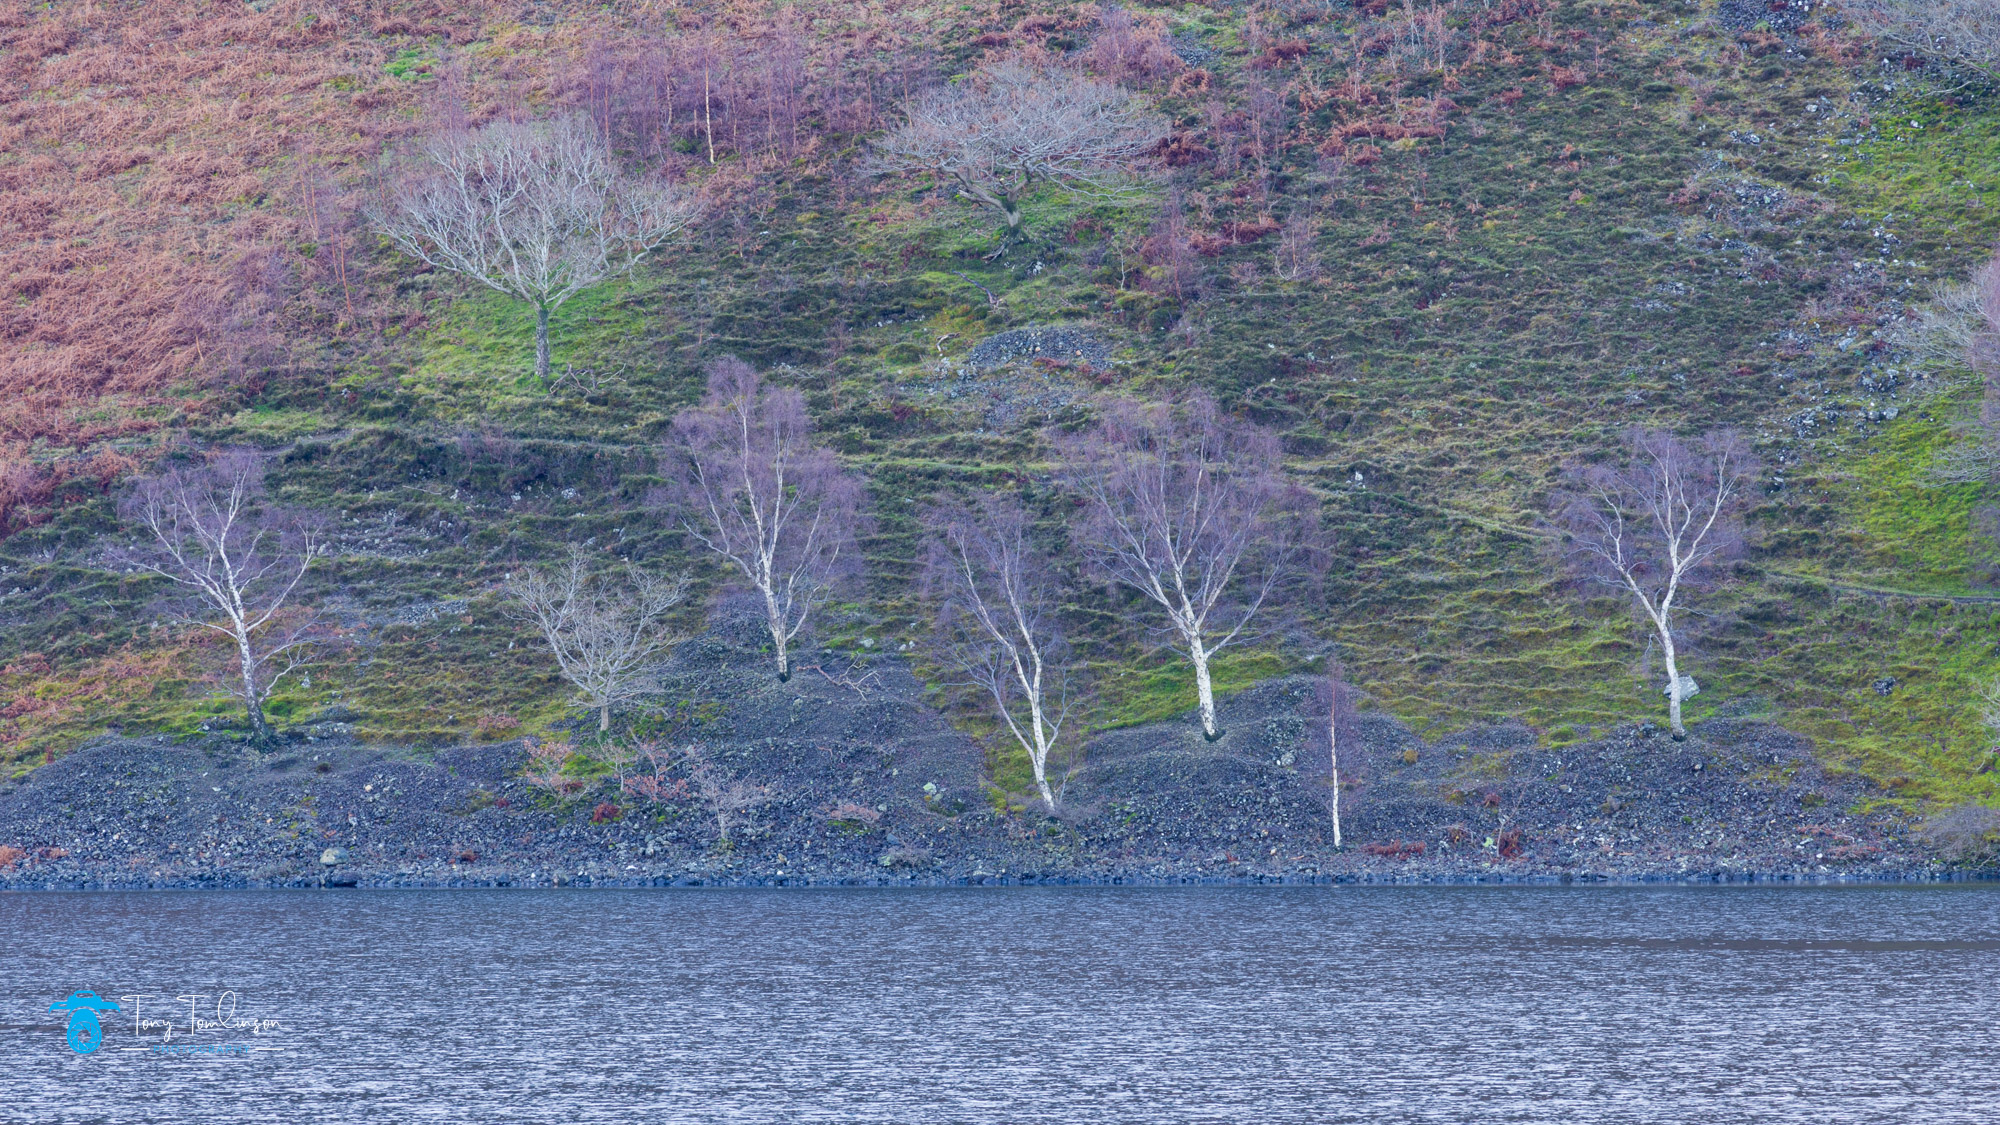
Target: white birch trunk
point(1038, 754)
point(1673, 686)
point(1333, 758)
point(779, 640)
point(1204, 689)
point(251, 699)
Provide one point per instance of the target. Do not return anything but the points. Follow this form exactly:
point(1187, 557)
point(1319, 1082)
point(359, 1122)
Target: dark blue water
point(1091, 1005)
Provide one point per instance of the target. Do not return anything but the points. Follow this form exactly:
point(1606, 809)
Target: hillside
point(1533, 224)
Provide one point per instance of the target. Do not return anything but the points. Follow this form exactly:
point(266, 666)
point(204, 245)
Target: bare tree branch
point(214, 534)
point(1653, 527)
point(1960, 32)
point(538, 211)
point(995, 133)
point(1960, 329)
point(726, 796)
point(749, 485)
point(603, 633)
point(1189, 508)
point(996, 597)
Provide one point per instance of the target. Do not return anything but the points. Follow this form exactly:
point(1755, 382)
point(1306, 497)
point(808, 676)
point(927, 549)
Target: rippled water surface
point(1092, 1005)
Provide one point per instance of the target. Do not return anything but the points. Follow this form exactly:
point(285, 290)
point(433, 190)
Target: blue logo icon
point(85, 1034)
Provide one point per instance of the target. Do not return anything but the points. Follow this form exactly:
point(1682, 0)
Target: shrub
point(547, 762)
point(851, 813)
point(493, 725)
point(1966, 834)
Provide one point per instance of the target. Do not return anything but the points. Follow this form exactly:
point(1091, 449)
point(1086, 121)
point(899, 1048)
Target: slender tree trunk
point(1333, 755)
point(708, 121)
point(1205, 690)
point(1041, 755)
point(1673, 686)
point(542, 343)
point(777, 621)
point(603, 717)
point(260, 729)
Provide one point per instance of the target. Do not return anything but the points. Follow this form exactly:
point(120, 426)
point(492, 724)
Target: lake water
point(998, 1005)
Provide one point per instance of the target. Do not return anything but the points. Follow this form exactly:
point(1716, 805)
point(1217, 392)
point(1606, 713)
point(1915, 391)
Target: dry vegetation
point(1441, 247)
point(178, 180)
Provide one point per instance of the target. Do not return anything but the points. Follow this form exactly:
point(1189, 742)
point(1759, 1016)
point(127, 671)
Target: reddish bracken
point(178, 181)
point(1394, 849)
point(854, 814)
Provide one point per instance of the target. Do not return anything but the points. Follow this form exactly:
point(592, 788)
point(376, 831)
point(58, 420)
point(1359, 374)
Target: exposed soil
point(866, 783)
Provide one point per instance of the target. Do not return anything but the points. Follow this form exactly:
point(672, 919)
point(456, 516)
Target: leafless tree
point(547, 768)
point(1296, 258)
point(1989, 709)
point(726, 796)
point(1336, 698)
point(655, 785)
point(1964, 833)
point(996, 597)
point(1961, 32)
point(538, 210)
point(749, 484)
point(603, 631)
point(1130, 49)
point(1654, 527)
point(214, 532)
point(1960, 329)
point(1189, 508)
point(997, 132)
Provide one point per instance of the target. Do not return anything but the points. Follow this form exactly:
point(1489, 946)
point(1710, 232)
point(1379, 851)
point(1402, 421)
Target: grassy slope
point(1537, 291)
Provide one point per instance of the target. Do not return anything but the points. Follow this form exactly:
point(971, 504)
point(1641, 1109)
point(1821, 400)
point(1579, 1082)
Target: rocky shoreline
point(867, 785)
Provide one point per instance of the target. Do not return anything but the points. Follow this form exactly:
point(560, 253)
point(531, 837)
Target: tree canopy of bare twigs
point(604, 631)
point(1962, 32)
point(749, 484)
point(539, 211)
point(996, 597)
point(214, 532)
point(1656, 525)
point(1961, 329)
point(726, 796)
point(1189, 508)
point(997, 132)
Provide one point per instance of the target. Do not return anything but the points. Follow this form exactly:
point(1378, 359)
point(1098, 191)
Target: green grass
point(1494, 304)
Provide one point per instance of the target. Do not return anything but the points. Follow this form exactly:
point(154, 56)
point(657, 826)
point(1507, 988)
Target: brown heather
point(176, 177)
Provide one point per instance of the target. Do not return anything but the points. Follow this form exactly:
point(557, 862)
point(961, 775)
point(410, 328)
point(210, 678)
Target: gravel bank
point(863, 783)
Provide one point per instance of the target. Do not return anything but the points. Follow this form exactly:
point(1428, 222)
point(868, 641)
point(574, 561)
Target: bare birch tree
point(1336, 697)
point(726, 796)
point(749, 484)
point(1188, 507)
point(1960, 329)
point(997, 132)
point(539, 211)
point(1654, 527)
point(1961, 32)
point(214, 532)
point(996, 597)
point(603, 632)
